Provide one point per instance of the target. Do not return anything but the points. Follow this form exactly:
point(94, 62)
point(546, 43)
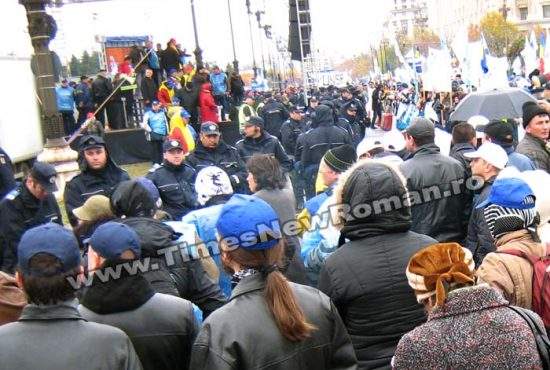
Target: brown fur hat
point(439, 267)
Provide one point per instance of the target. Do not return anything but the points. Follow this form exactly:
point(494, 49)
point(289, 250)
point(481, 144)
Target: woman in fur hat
point(468, 326)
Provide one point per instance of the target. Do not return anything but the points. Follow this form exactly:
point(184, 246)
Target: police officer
point(99, 175)
point(316, 142)
point(174, 180)
point(347, 99)
point(258, 141)
point(274, 115)
point(290, 131)
point(348, 121)
point(30, 204)
point(211, 150)
point(7, 181)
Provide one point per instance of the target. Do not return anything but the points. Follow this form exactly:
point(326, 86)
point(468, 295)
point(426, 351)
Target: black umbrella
point(494, 104)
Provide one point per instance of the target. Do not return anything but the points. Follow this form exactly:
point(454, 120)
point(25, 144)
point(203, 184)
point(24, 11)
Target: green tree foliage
point(503, 37)
point(423, 38)
point(85, 63)
point(74, 66)
point(94, 63)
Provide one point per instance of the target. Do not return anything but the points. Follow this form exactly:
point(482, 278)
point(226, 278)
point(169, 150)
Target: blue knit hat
point(247, 221)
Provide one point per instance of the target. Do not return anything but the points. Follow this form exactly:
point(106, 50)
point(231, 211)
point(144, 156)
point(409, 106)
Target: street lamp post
point(235, 61)
point(198, 51)
point(255, 68)
point(42, 29)
point(259, 19)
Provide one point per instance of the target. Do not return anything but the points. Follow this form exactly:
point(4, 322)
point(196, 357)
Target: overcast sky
point(341, 28)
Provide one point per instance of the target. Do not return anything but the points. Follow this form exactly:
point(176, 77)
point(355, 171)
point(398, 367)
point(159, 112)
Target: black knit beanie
point(530, 110)
point(341, 158)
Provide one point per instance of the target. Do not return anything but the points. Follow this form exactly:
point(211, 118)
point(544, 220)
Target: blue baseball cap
point(112, 238)
point(510, 192)
point(248, 222)
point(184, 113)
point(49, 238)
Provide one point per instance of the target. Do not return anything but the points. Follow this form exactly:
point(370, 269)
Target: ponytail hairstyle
point(280, 298)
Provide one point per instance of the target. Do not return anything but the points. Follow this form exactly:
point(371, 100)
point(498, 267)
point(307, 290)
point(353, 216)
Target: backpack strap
point(515, 252)
point(541, 338)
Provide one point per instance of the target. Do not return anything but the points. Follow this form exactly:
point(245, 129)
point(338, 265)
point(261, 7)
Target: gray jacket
point(242, 334)
point(57, 337)
point(440, 202)
point(536, 150)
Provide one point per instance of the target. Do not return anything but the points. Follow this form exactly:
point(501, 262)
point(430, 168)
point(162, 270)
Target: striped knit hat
point(509, 207)
point(439, 267)
point(502, 220)
point(341, 158)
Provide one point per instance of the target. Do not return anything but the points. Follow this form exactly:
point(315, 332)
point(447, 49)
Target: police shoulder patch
point(155, 167)
point(13, 194)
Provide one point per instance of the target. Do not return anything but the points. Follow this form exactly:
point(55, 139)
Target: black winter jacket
point(102, 87)
point(243, 335)
point(162, 328)
point(274, 115)
point(325, 136)
point(290, 130)
point(178, 271)
point(223, 156)
point(176, 185)
point(149, 89)
point(90, 182)
point(19, 212)
point(441, 205)
point(265, 144)
point(365, 278)
point(479, 239)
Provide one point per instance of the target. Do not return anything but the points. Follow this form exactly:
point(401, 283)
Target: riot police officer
point(99, 175)
point(30, 204)
point(174, 180)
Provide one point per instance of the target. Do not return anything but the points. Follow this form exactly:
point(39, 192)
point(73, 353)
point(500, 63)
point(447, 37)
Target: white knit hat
point(212, 181)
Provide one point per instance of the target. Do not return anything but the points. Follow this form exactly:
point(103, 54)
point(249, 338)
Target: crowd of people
point(315, 242)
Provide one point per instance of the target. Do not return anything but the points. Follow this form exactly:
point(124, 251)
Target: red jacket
point(125, 68)
point(208, 107)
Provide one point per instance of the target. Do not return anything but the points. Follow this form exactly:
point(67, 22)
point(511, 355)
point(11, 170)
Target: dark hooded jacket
point(365, 277)
point(174, 269)
point(441, 204)
point(91, 182)
point(325, 136)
